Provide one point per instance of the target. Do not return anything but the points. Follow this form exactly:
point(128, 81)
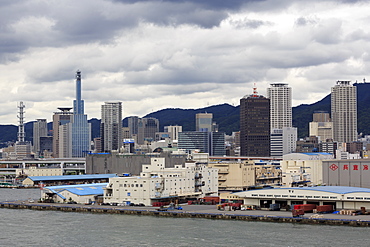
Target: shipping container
point(305, 207)
point(325, 209)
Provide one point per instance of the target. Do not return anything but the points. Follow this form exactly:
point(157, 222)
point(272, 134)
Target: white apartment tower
point(280, 95)
point(111, 126)
point(344, 111)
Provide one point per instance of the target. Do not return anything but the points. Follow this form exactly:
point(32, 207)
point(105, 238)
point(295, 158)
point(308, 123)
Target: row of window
point(297, 196)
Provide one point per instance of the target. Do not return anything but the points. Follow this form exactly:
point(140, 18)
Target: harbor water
point(23, 227)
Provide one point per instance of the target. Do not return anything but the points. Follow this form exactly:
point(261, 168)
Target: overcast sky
point(186, 54)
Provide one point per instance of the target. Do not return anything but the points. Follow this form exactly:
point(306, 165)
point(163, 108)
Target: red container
point(325, 208)
point(305, 207)
point(308, 207)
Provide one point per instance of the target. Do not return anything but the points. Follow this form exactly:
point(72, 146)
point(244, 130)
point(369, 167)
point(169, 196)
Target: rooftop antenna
point(255, 93)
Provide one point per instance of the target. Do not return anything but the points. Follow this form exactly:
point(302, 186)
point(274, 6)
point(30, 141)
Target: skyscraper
point(111, 126)
point(203, 122)
point(63, 117)
point(344, 111)
point(81, 129)
point(280, 95)
point(40, 129)
point(147, 127)
point(255, 126)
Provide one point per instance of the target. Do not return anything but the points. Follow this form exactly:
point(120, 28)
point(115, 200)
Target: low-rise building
point(352, 172)
point(341, 197)
point(303, 168)
point(233, 176)
point(157, 183)
point(67, 179)
point(81, 193)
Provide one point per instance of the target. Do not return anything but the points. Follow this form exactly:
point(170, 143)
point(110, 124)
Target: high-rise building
point(283, 141)
point(63, 117)
point(212, 143)
point(111, 126)
point(203, 122)
point(133, 125)
point(147, 127)
point(280, 95)
point(255, 125)
point(81, 129)
point(321, 126)
point(344, 111)
point(40, 129)
point(173, 131)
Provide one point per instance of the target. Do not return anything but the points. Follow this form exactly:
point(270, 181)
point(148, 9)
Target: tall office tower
point(255, 125)
point(344, 111)
point(40, 129)
point(81, 129)
point(111, 126)
point(133, 125)
point(280, 95)
point(147, 127)
point(203, 122)
point(63, 117)
point(173, 131)
point(321, 126)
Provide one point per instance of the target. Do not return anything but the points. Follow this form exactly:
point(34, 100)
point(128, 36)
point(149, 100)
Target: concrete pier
point(200, 211)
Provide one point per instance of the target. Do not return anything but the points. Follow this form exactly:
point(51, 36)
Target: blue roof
point(317, 153)
point(71, 177)
point(331, 189)
point(79, 189)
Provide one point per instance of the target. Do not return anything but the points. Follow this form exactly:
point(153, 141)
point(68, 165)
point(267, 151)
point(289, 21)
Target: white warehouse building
point(157, 183)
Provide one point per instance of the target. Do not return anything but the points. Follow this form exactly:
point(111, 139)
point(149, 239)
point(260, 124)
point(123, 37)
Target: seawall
point(223, 215)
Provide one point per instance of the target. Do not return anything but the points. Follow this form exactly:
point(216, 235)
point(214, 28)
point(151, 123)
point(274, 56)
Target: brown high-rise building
point(255, 126)
point(60, 119)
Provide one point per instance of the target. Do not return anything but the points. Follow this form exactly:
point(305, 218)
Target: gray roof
point(71, 177)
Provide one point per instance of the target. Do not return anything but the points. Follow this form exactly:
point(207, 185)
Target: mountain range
point(225, 115)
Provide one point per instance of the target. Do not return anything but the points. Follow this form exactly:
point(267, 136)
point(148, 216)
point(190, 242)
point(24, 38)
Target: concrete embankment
point(223, 215)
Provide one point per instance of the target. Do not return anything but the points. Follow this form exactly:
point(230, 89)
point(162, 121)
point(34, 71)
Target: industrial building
point(157, 184)
point(67, 179)
point(81, 193)
point(351, 172)
point(341, 197)
point(233, 176)
point(101, 163)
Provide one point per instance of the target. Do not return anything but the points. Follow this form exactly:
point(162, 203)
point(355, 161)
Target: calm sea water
point(51, 228)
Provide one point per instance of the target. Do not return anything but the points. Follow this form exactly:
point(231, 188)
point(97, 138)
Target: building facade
point(157, 183)
point(206, 142)
point(81, 129)
point(63, 117)
point(280, 95)
point(147, 127)
point(40, 129)
point(283, 141)
point(111, 126)
point(203, 122)
point(344, 111)
point(255, 126)
point(173, 131)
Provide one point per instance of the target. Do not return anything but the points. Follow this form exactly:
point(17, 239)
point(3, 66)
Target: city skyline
point(203, 53)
